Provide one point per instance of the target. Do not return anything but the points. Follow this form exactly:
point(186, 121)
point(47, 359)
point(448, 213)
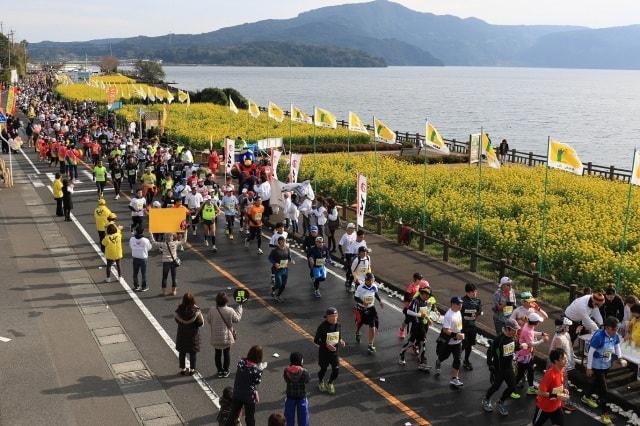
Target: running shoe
point(357, 337)
point(144, 288)
point(331, 389)
point(401, 360)
point(532, 390)
point(214, 249)
point(246, 242)
point(605, 419)
point(206, 243)
point(437, 368)
point(231, 236)
point(589, 402)
point(502, 409)
point(226, 232)
point(467, 366)
point(402, 333)
point(278, 299)
point(371, 349)
point(316, 294)
point(322, 387)
point(136, 288)
point(455, 381)
point(515, 395)
point(273, 292)
point(118, 197)
point(107, 280)
point(424, 367)
point(225, 374)
point(352, 289)
point(260, 251)
point(569, 407)
point(487, 406)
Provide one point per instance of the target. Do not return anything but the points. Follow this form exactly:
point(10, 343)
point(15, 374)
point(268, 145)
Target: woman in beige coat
point(221, 318)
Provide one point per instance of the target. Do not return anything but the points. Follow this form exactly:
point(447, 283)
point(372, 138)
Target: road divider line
point(402, 407)
point(29, 160)
point(4, 339)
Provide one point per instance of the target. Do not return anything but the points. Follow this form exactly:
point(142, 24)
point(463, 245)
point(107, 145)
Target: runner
point(418, 311)
point(137, 207)
point(329, 340)
point(280, 257)
point(116, 176)
point(410, 293)
point(500, 362)
point(278, 232)
point(365, 311)
point(504, 300)
point(208, 212)
point(100, 178)
point(317, 257)
point(529, 306)
point(471, 310)
point(193, 201)
point(230, 209)
point(450, 341)
point(552, 392)
point(528, 338)
point(360, 267)
point(254, 219)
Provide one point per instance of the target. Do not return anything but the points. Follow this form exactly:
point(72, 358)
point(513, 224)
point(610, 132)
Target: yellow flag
point(182, 96)
point(150, 94)
point(232, 107)
point(299, 116)
point(170, 97)
point(159, 95)
point(635, 174)
point(254, 111)
point(434, 140)
point(141, 92)
point(324, 118)
point(489, 152)
point(275, 112)
point(562, 156)
point(383, 132)
point(356, 125)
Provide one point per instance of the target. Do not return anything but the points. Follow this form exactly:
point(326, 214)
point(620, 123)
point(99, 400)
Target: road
point(371, 389)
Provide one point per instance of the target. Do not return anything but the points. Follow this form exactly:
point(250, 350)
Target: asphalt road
point(371, 389)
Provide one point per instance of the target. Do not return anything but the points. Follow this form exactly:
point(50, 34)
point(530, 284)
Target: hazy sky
point(68, 20)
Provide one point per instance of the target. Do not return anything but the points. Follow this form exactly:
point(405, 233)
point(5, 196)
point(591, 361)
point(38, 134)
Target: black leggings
point(502, 375)
point(599, 387)
point(222, 359)
point(192, 359)
point(249, 413)
point(255, 232)
point(525, 369)
point(110, 263)
point(116, 185)
point(230, 221)
point(166, 268)
point(326, 361)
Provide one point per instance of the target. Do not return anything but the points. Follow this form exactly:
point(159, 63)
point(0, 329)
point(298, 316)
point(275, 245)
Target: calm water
point(596, 111)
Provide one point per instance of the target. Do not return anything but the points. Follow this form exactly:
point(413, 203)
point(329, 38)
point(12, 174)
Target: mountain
point(387, 30)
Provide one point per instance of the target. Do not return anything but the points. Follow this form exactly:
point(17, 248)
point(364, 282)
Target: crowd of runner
point(68, 136)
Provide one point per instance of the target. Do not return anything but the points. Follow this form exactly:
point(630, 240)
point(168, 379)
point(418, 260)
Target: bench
point(405, 151)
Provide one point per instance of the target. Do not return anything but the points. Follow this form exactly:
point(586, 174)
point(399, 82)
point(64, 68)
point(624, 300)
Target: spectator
point(112, 249)
point(58, 194)
point(170, 261)
point(67, 202)
point(503, 150)
point(223, 336)
point(140, 246)
point(296, 404)
point(245, 387)
point(613, 305)
point(189, 319)
point(585, 314)
point(276, 419)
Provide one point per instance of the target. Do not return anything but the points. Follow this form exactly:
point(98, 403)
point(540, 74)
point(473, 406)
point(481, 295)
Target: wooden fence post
point(399, 231)
point(612, 171)
point(513, 155)
point(589, 167)
point(445, 250)
point(573, 291)
point(502, 266)
point(344, 212)
point(530, 159)
point(421, 242)
point(474, 262)
point(379, 224)
point(535, 283)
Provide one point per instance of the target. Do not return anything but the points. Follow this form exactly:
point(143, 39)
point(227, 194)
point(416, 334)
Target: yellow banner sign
point(167, 220)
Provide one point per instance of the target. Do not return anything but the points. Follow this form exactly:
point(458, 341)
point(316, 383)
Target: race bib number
point(320, 261)
point(284, 263)
point(333, 338)
point(132, 172)
point(557, 391)
point(240, 295)
point(368, 301)
point(117, 175)
point(606, 355)
point(257, 217)
point(470, 314)
point(507, 310)
point(508, 349)
point(363, 269)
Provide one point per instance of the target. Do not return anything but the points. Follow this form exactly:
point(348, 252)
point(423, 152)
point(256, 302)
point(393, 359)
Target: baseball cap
point(313, 228)
point(369, 276)
point(101, 202)
point(512, 324)
point(244, 190)
point(424, 289)
point(207, 197)
point(526, 296)
point(505, 280)
point(330, 311)
point(457, 300)
point(319, 238)
point(351, 225)
point(533, 317)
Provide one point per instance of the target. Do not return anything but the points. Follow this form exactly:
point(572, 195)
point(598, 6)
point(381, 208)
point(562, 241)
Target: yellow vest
point(100, 214)
point(113, 246)
point(57, 188)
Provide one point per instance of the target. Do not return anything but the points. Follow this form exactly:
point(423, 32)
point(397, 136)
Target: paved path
point(371, 389)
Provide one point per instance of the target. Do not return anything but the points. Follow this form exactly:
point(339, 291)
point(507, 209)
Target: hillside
point(379, 29)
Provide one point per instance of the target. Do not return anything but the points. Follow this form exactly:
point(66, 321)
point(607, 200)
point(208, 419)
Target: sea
point(595, 111)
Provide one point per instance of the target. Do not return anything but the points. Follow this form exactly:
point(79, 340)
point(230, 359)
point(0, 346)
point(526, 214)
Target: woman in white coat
point(221, 318)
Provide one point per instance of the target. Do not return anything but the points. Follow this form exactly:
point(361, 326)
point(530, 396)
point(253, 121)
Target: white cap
point(505, 280)
point(566, 321)
point(533, 317)
point(156, 204)
point(207, 197)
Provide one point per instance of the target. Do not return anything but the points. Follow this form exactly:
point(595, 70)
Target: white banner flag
point(275, 159)
point(229, 155)
point(294, 167)
point(362, 198)
point(635, 173)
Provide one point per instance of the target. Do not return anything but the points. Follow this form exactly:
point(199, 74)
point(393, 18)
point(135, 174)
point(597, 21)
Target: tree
point(109, 64)
point(18, 54)
point(149, 71)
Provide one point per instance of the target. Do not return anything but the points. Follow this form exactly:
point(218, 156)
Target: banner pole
point(478, 195)
point(623, 243)
point(346, 196)
point(290, 126)
point(424, 183)
point(315, 165)
point(544, 215)
point(375, 150)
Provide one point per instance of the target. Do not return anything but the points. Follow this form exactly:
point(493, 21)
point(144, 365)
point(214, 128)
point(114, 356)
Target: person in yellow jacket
point(113, 249)
point(56, 186)
point(101, 215)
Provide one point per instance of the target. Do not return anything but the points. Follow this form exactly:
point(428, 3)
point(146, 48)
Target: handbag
point(231, 329)
point(176, 260)
point(319, 273)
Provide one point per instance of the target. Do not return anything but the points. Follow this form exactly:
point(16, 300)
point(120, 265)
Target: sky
point(75, 20)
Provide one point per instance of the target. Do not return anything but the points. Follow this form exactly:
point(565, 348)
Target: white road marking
point(4, 339)
point(83, 191)
point(30, 162)
point(211, 394)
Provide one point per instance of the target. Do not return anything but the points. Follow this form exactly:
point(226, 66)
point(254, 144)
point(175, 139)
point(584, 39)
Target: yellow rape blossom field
point(200, 122)
point(585, 214)
point(126, 89)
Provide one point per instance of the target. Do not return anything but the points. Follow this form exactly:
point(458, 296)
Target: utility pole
point(10, 45)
